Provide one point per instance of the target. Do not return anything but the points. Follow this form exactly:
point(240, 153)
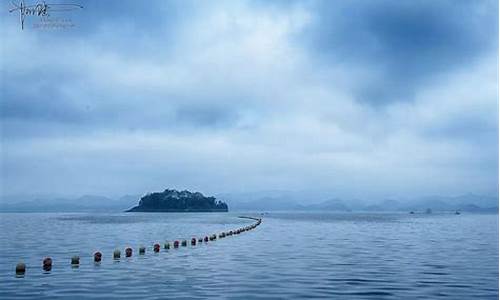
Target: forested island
point(178, 201)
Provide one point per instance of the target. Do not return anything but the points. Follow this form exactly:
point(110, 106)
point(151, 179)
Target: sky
point(360, 99)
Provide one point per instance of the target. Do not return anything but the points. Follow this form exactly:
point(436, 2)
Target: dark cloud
point(405, 43)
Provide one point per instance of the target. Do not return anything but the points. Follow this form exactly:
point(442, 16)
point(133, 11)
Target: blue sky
point(363, 99)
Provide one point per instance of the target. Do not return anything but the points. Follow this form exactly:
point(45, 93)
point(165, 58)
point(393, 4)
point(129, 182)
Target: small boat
point(457, 212)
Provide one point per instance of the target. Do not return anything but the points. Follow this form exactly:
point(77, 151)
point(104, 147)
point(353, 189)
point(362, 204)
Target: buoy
point(97, 256)
point(116, 254)
point(184, 243)
point(193, 242)
point(75, 260)
point(206, 239)
point(167, 245)
point(20, 268)
point(156, 248)
point(128, 252)
point(142, 250)
point(200, 240)
point(176, 244)
point(47, 264)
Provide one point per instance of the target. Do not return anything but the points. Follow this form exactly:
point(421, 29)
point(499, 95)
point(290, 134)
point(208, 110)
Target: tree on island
point(179, 201)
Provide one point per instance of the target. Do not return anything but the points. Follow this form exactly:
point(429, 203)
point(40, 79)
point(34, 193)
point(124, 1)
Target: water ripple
point(290, 256)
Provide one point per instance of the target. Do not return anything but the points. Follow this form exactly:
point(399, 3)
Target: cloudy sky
point(362, 99)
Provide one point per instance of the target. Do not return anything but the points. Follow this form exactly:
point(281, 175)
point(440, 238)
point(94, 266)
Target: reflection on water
point(291, 255)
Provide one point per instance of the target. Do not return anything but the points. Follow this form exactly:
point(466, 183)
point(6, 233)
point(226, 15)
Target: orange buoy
point(176, 244)
point(20, 268)
point(193, 242)
point(156, 248)
point(128, 252)
point(206, 239)
point(47, 264)
point(97, 256)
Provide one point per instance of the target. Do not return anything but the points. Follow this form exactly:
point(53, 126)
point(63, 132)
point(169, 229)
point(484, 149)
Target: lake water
point(290, 255)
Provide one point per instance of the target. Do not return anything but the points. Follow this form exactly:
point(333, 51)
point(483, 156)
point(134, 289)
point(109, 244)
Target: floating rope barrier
point(75, 260)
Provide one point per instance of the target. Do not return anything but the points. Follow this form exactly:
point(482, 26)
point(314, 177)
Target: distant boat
point(457, 212)
point(412, 212)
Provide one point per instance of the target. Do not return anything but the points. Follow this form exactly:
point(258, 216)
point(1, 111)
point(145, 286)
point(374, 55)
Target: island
point(178, 201)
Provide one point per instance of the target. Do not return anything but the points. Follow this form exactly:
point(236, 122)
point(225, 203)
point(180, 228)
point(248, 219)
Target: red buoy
point(176, 244)
point(206, 239)
point(193, 242)
point(47, 264)
point(97, 256)
point(156, 247)
point(128, 252)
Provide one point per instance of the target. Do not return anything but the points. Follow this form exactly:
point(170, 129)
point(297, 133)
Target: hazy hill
point(261, 201)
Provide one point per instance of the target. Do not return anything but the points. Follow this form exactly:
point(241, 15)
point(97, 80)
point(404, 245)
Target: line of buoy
point(75, 260)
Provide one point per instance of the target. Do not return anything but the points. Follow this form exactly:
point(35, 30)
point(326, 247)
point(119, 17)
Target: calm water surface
point(291, 255)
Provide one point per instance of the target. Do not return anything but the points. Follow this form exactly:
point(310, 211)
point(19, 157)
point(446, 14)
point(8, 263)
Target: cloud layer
point(382, 99)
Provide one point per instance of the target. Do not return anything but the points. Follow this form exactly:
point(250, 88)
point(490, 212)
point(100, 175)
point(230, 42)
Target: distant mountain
point(329, 205)
point(289, 201)
point(178, 201)
point(86, 203)
point(261, 201)
point(265, 203)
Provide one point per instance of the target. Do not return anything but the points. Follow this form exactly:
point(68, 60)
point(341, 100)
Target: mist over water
point(291, 255)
